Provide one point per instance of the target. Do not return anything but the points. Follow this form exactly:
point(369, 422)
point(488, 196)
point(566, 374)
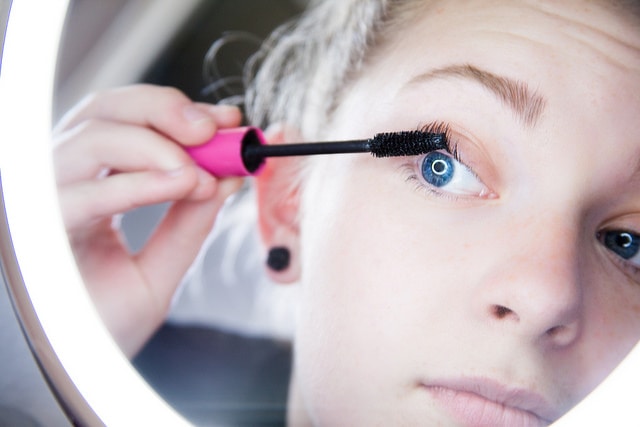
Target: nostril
point(501, 311)
point(556, 330)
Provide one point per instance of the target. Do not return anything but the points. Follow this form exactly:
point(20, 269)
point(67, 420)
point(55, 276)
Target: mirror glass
point(223, 354)
point(89, 376)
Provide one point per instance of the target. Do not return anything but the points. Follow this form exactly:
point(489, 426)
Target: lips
point(483, 402)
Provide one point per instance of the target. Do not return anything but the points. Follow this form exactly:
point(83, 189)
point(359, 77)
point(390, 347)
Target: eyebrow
point(526, 104)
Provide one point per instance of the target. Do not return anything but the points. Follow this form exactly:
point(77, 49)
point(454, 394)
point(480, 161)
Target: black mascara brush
point(242, 151)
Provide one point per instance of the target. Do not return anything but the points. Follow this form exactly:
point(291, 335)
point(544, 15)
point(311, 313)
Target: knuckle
point(90, 125)
point(171, 96)
point(81, 131)
point(95, 101)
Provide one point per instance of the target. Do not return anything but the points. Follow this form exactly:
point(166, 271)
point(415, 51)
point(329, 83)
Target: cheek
point(365, 245)
point(376, 269)
point(385, 271)
point(612, 321)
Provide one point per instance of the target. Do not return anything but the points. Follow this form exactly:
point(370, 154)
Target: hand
point(121, 149)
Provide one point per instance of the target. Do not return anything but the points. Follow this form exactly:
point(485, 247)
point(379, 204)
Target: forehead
point(577, 29)
point(555, 47)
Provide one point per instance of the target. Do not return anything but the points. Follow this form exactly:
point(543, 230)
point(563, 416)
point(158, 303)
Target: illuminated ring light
point(91, 377)
point(439, 167)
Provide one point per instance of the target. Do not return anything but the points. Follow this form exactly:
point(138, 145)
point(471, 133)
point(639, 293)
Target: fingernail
point(225, 108)
point(204, 176)
point(195, 115)
point(230, 186)
point(224, 111)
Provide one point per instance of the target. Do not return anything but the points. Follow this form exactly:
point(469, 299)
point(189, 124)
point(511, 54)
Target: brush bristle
point(407, 143)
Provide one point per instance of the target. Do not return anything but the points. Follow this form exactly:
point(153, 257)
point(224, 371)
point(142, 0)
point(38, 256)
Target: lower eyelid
point(408, 169)
point(630, 270)
point(415, 164)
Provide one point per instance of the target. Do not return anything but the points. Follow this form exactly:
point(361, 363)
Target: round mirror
point(83, 46)
point(86, 370)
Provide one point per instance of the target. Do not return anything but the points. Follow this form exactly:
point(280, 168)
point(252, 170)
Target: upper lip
point(514, 397)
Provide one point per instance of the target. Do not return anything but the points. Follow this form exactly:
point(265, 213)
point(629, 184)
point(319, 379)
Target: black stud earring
point(278, 258)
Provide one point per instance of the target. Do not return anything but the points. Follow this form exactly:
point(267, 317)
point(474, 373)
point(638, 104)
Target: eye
point(623, 243)
point(440, 170)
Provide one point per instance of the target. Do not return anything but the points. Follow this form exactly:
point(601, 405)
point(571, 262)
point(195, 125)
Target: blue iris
point(438, 169)
point(622, 243)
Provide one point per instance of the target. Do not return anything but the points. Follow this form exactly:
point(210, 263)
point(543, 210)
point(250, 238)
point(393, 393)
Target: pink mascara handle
point(222, 155)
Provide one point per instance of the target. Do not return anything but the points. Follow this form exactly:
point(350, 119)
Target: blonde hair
point(303, 68)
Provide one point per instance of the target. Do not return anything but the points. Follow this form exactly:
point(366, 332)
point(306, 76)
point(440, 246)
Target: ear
point(278, 192)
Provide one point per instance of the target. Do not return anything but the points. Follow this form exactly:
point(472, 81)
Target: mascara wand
point(242, 151)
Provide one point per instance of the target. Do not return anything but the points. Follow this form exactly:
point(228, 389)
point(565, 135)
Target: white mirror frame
point(92, 378)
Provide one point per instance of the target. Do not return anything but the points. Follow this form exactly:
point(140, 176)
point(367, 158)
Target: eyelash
point(442, 128)
point(452, 149)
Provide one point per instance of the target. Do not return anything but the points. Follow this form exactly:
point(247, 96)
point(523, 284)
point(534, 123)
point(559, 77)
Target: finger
point(225, 116)
point(85, 151)
point(164, 109)
point(86, 202)
point(176, 242)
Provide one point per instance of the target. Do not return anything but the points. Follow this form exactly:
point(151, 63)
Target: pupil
point(624, 239)
point(623, 243)
point(438, 169)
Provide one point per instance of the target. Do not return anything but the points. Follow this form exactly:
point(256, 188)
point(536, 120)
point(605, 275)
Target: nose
point(534, 289)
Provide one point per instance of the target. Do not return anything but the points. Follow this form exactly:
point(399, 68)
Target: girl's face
point(504, 290)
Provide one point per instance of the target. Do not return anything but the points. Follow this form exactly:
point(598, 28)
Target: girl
point(500, 293)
